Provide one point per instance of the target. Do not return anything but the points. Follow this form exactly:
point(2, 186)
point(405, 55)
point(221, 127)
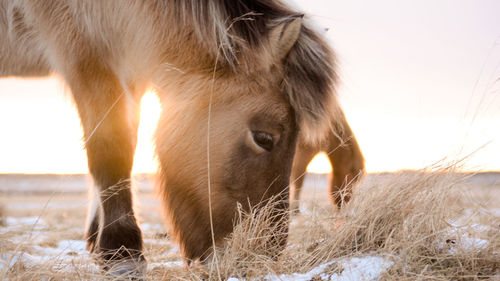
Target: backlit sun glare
point(144, 161)
point(320, 164)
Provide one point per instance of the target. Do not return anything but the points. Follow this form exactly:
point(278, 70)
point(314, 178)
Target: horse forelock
point(236, 33)
point(310, 82)
point(230, 29)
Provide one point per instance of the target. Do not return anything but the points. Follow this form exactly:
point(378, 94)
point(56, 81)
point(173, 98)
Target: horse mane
point(232, 26)
point(236, 32)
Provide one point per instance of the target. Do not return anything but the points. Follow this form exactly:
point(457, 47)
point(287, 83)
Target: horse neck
point(149, 43)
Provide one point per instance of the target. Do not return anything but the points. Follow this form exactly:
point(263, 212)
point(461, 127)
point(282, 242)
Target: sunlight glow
point(320, 164)
point(41, 131)
point(145, 160)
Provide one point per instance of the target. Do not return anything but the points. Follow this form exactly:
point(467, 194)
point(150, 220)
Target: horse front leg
point(110, 121)
point(303, 155)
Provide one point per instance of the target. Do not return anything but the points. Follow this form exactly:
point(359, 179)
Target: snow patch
point(9, 259)
point(41, 205)
point(494, 212)
point(35, 222)
point(304, 210)
point(301, 276)
point(64, 248)
point(458, 238)
point(464, 243)
point(473, 213)
point(174, 250)
point(168, 264)
point(67, 253)
point(351, 269)
point(151, 227)
point(33, 229)
point(72, 247)
point(365, 268)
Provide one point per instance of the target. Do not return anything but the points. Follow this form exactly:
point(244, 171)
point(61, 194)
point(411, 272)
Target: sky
point(420, 82)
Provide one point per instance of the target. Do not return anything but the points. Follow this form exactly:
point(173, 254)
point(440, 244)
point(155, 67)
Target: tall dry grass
point(409, 218)
point(1, 215)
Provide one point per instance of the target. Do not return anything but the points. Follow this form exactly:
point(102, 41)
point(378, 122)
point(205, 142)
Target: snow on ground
point(152, 265)
point(363, 268)
point(357, 268)
point(461, 238)
point(14, 224)
point(152, 227)
point(472, 213)
point(495, 212)
point(29, 228)
point(63, 205)
point(76, 247)
point(67, 253)
point(26, 242)
point(25, 235)
point(42, 205)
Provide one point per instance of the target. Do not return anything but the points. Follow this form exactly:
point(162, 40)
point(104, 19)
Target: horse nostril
point(263, 140)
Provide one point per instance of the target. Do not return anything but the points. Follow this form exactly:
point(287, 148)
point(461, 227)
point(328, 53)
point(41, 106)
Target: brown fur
point(231, 178)
point(223, 70)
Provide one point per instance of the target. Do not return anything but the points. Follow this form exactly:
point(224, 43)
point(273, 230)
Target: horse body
point(237, 81)
point(20, 53)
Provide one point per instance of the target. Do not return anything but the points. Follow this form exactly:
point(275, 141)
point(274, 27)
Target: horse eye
point(263, 139)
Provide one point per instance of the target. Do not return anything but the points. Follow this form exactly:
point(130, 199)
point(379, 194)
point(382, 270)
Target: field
point(421, 225)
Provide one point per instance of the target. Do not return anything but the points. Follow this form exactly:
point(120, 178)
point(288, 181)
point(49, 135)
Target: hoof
point(126, 270)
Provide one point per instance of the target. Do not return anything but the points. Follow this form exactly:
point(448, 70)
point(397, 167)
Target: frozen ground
point(11, 184)
point(28, 238)
point(44, 218)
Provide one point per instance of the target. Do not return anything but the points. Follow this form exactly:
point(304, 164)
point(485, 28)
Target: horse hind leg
point(110, 132)
point(347, 161)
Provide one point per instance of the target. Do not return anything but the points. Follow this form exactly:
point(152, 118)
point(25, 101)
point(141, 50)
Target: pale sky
point(420, 82)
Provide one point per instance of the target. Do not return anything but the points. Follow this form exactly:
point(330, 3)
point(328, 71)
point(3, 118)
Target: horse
point(240, 83)
point(344, 154)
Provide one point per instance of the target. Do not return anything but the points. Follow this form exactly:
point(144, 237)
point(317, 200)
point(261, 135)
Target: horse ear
point(284, 36)
point(310, 81)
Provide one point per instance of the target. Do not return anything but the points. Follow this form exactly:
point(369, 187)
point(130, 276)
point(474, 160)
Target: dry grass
point(1, 215)
point(410, 218)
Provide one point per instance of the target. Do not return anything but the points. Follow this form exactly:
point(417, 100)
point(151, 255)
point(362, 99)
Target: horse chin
point(231, 219)
point(270, 242)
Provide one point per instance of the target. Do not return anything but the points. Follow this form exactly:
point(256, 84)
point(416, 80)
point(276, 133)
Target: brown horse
point(345, 156)
point(239, 81)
